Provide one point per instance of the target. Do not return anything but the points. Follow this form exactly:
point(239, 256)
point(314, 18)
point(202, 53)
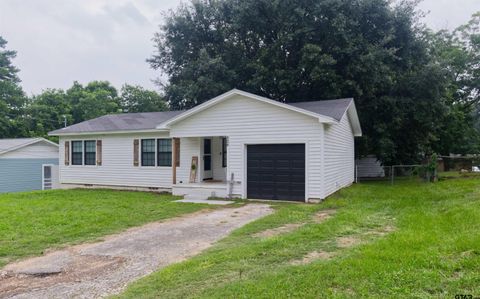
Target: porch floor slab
point(207, 201)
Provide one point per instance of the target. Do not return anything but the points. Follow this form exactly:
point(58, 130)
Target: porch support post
point(174, 160)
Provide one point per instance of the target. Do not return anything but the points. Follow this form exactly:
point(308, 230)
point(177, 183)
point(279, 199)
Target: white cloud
point(448, 14)
point(60, 41)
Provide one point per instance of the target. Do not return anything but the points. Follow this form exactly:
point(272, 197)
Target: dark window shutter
point(67, 153)
point(177, 151)
point(99, 152)
point(224, 152)
point(135, 152)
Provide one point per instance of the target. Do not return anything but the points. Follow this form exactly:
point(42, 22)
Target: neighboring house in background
point(28, 164)
point(272, 150)
point(369, 167)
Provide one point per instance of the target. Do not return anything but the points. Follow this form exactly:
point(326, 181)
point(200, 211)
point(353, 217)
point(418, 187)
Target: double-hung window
point(164, 152)
point(84, 152)
point(77, 152)
point(148, 152)
point(90, 152)
point(156, 152)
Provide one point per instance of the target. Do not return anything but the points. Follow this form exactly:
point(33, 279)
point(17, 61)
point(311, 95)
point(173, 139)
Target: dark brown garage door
point(276, 171)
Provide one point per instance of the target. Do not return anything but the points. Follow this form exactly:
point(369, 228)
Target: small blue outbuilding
point(28, 164)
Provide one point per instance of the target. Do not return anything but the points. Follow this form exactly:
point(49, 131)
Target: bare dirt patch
point(382, 231)
point(279, 230)
point(348, 241)
point(342, 242)
point(313, 256)
point(363, 237)
point(323, 215)
point(319, 217)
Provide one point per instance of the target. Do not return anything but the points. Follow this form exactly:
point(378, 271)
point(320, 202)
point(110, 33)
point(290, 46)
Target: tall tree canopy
point(8, 72)
point(138, 99)
point(97, 98)
point(458, 54)
point(12, 97)
point(311, 50)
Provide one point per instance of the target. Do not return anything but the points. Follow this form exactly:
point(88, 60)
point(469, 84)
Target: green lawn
point(408, 240)
point(457, 174)
point(34, 221)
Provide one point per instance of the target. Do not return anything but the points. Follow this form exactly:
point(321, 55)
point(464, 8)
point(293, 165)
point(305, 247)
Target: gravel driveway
point(105, 268)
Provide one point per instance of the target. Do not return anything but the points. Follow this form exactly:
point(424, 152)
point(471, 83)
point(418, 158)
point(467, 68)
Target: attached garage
point(276, 171)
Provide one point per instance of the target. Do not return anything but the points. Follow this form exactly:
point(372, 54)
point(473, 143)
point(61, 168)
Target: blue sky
point(61, 41)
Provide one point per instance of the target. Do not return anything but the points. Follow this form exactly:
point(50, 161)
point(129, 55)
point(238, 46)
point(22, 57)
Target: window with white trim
point(90, 147)
point(148, 152)
point(84, 152)
point(164, 152)
point(77, 152)
point(156, 152)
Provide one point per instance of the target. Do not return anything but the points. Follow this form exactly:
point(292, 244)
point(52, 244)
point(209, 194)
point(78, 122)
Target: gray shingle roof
point(7, 144)
point(120, 122)
point(149, 120)
point(333, 108)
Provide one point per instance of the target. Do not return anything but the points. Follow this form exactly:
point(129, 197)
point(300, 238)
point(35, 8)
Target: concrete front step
point(200, 191)
point(205, 201)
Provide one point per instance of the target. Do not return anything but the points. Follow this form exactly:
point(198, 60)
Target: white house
point(241, 145)
point(28, 164)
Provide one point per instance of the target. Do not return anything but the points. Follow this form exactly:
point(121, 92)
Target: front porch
point(204, 167)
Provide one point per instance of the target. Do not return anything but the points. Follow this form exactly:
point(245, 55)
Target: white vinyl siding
point(189, 147)
point(248, 121)
point(219, 172)
point(117, 164)
point(339, 156)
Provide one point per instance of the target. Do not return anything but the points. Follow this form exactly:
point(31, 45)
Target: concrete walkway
point(207, 201)
point(105, 268)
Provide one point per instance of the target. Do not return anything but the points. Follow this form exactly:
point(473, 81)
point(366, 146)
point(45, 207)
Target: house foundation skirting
point(113, 187)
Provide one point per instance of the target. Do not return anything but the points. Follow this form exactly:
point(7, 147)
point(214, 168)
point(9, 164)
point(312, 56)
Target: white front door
point(207, 159)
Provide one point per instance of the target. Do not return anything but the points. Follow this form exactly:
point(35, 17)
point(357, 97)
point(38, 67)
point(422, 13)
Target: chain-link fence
point(453, 166)
point(391, 174)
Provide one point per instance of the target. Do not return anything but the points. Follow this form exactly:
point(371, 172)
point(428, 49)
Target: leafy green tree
point(97, 98)
point(458, 55)
point(48, 111)
point(8, 72)
point(138, 99)
point(12, 97)
point(303, 50)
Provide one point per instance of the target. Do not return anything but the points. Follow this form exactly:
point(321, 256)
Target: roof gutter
point(108, 132)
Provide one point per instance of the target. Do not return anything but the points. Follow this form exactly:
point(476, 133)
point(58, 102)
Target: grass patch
point(34, 221)
point(407, 240)
point(457, 174)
